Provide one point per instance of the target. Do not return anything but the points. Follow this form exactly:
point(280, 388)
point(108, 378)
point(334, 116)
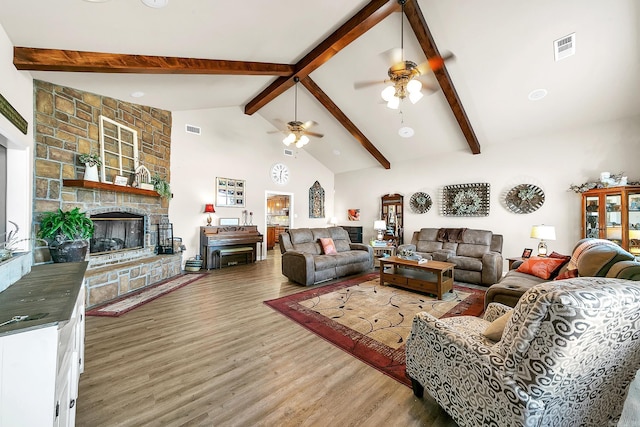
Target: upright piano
point(215, 239)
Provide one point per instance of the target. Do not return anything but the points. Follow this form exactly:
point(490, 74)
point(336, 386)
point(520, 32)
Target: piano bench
point(246, 251)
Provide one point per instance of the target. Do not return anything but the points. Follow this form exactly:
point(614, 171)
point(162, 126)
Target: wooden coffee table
point(432, 277)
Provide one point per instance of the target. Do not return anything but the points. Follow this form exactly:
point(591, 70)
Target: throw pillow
point(566, 259)
point(569, 274)
point(328, 247)
point(540, 267)
point(496, 328)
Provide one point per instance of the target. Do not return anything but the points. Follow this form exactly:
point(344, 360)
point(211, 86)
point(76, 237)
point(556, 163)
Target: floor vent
point(288, 152)
point(193, 129)
point(564, 47)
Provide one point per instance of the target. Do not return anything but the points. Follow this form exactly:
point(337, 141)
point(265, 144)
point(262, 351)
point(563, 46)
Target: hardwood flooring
point(212, 354)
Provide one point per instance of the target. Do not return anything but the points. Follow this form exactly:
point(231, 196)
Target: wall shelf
point(80, 183)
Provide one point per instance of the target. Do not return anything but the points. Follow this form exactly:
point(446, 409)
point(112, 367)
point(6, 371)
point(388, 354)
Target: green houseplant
point(67, 234)
point(91, 163)
point(162, 186)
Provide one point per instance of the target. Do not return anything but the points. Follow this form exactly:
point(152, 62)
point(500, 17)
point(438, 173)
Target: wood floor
point(212, 354)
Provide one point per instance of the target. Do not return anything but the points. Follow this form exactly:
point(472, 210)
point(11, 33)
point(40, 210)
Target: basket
point(193, 265)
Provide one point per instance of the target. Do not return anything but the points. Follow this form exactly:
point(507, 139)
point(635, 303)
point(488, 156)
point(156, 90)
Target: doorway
point(278, 217)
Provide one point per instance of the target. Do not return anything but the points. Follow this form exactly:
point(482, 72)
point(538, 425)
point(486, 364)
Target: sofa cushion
point(496, 328)
point(472, 250)
point(429, 234)
point(541, 267)
point(597, 260)
point(340, 238)
point(427, 246)
point(567, 274)
point(351, 257)
point(323, 262)
point(477, 237)
point(301, 235)
point(328, 248)
point(466, 263)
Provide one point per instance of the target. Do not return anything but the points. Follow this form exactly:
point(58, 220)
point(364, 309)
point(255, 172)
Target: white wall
point(551, 162)
point(235, 145)
point(17, 88)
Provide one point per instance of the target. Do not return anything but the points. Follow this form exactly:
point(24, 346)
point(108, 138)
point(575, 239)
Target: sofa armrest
point(361, 247)
point(625, 270)
point(495, 310)
point(298, 267)
point(491, 268)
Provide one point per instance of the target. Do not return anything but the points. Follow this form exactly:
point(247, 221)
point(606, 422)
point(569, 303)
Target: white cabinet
point(40, 365)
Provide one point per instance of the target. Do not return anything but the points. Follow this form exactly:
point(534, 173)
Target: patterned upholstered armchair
point(567, 355)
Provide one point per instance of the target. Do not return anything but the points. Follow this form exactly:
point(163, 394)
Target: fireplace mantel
point(108, 187)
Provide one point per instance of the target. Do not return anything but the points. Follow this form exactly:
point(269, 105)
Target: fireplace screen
point(117, 231)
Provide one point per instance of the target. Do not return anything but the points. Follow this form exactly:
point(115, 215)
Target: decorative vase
point(90, 172)
point(69, 250)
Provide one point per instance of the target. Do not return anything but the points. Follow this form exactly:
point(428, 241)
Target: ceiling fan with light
point(297, 132)
point(403, 74)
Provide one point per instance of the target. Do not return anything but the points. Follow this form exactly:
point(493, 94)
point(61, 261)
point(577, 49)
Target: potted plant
point(91, 163)
point(67, 234)
point(162, 186)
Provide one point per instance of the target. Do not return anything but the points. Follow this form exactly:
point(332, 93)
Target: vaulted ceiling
point(196, 54)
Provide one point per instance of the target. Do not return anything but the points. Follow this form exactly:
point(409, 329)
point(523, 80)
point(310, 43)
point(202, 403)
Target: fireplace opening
point(116, 231)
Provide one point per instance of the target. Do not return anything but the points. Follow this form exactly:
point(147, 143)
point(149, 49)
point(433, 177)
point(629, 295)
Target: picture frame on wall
point(230, 192)
point(527, 253)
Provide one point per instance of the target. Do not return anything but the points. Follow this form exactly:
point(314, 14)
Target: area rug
point(372, 322)
point(135, 299)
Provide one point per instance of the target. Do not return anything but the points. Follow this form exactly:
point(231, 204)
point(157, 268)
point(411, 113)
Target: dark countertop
point(48, 295)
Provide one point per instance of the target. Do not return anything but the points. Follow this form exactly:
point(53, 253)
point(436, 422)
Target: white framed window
point(118, 150)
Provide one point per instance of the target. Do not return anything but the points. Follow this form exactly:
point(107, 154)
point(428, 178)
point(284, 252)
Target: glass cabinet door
point(613, 218)
point(634, 223)
point(592, 227)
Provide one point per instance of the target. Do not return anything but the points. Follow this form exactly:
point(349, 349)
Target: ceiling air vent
point(193, 129)
point(564, 47)
point(288, 152)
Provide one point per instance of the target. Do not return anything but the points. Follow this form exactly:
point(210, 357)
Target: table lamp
point(209, 209)
point(543, 232)
point(380, 226)
point(333, 221)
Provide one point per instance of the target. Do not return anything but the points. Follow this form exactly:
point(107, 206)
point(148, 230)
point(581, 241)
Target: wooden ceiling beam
point(332, 108)
point(369, 16)
point(428, 45)
point(26, 58)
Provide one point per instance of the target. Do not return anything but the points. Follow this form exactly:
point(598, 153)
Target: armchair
point(567, 356)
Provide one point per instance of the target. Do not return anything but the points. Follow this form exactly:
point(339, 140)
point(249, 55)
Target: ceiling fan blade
point(362, 85)
point(308, 124)
point(276, 131)
point(393, 56)
point(435, 63)
point(428, 86)
point(317, 135)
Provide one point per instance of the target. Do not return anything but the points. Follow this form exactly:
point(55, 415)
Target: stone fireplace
point(122, 255)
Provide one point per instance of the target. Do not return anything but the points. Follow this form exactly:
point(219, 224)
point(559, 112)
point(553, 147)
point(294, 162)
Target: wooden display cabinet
point(614, 214)
point(393, 215)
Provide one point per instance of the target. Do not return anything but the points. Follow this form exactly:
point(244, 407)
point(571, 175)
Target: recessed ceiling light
point(537, 94)
point(156, 4)
point(406, 132)
point(336, 152)
point(137, 94)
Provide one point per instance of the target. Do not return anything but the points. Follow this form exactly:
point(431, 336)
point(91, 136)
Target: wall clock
point(420, 202)
point(280, 173)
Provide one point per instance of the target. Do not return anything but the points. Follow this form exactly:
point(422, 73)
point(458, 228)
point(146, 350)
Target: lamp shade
point(379, 225)
point(208, 208)
point(333, 220)
point(543, 232)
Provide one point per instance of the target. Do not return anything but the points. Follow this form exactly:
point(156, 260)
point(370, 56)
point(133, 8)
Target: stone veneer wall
point(67, 124)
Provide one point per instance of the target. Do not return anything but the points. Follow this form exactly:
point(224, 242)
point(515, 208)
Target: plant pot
point(69, 250)
point(91, 173)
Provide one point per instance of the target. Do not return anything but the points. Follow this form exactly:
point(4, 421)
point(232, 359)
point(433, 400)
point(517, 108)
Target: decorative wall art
point(230, 192)
point(316, 201)
point(420, 202)
point(12, 115)
point(353, 214)
point(524, 198)
point(465, 200)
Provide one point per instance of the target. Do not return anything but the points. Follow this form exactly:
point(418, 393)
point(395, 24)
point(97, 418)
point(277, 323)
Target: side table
point(514, 259)
point(380, 251)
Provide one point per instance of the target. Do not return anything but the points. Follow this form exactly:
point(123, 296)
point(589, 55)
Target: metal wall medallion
point(420, 203)
point(524, 198)
point(465, 200)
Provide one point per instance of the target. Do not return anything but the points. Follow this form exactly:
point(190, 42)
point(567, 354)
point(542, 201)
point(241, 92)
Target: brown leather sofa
point(477, 254)
point(304, 262)
point(599, 259)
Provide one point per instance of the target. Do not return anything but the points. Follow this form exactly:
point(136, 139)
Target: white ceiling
point(504, 50)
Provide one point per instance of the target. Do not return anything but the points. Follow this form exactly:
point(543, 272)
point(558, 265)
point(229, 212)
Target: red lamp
point(209, 209)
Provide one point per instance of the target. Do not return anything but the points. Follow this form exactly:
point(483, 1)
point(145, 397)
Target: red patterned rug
point(142, 296)
point(372, 322)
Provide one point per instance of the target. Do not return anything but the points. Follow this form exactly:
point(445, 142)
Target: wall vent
point(288, 152)
point(193, 129)
point(564, 47)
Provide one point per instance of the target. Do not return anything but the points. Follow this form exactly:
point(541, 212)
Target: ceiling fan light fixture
point(414, 86)
point(394, 103)
point(289, 139)
point(388, 93)
point(415, 97)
